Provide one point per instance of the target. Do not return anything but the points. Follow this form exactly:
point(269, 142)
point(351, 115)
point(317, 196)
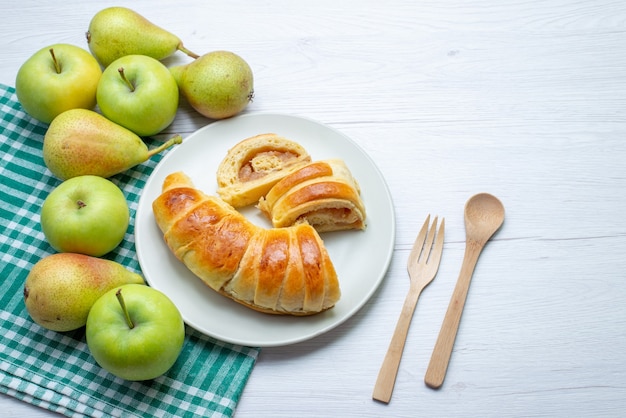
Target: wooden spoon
point(484, 214)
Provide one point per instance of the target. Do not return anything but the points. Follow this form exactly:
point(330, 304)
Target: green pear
point(80, 142)
point(218, 85)
point(115, 32)
point(61, 288)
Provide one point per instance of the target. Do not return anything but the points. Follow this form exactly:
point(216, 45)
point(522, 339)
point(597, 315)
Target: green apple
point(139, 93)
point(85, 214)
point(135, 332)
point(55, 79)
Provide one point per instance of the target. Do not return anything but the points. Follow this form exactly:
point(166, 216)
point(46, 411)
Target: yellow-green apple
point(61, 288)
point(55, 79)
point(139, 93)
point(85, 214)
point(135, 332)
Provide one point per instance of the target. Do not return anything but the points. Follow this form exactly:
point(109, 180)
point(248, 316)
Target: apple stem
point(172, 141)
point(182, 48)
point(57, 67)
point(128, 83)
point(120, 298)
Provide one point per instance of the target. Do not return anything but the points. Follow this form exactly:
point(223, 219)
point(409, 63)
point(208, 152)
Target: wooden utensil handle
point(389, 369)
point(440, 358)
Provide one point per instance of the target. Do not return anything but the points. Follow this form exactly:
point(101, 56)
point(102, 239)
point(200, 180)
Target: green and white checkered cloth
point(55, 370)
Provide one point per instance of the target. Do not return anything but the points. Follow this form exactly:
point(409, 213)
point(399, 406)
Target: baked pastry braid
point(254, 165)
point(322, 193)
point(276, 270)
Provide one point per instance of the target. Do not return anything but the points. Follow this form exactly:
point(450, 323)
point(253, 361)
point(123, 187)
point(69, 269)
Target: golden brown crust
point(278, 270)
point(273, 265)
point(322, 193)
point(310, 171)
point(313, 270)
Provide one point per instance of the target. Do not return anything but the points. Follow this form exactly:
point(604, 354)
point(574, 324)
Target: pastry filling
point(333, 217)
point(265, 162)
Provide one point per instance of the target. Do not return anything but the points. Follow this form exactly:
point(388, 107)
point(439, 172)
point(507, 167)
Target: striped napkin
point(55, 370)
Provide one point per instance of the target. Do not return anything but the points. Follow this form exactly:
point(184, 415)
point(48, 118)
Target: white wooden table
point(523, 99)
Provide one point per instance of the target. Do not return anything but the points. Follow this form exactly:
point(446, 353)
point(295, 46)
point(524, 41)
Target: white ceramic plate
point(361, 258)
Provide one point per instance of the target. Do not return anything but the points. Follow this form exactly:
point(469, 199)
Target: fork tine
point(429, 242)
point(438, 247)
point(419, 243)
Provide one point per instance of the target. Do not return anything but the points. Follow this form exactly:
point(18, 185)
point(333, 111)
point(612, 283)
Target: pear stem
point(182, 48)
point(57, 66)
point(120, 298)
point(172, 141)
point(128, 83)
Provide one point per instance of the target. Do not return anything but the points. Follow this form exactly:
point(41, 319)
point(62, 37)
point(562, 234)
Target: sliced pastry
point(322, 193)
point(275, 270)
point(254, 165)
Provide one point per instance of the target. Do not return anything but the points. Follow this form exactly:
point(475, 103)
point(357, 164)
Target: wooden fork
point(422, 265)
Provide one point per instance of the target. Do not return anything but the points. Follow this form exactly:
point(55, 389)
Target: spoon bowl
point(484, 214)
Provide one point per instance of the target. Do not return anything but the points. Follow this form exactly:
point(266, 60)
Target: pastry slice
point(323, 194)
point(254, 165)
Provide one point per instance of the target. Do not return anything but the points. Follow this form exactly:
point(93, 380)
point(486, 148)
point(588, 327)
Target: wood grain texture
point(523, 99)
